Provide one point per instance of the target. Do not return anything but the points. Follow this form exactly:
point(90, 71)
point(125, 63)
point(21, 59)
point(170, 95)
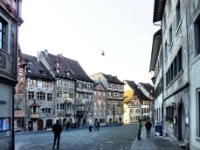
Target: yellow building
point(132, 107)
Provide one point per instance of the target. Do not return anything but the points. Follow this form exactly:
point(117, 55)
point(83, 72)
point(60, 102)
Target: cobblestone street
point(107, 138)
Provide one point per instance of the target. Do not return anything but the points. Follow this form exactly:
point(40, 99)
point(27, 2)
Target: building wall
point(177, 85)
point(8, 69)
point(193, 11)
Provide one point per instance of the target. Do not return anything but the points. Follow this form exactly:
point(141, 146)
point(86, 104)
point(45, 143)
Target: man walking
point(57, 129)
point(139, 129)
point(148, 127)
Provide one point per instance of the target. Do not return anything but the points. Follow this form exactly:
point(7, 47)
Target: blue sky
point(81, 29)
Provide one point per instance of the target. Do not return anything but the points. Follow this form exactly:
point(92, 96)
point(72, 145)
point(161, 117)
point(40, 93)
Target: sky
point(81, 29)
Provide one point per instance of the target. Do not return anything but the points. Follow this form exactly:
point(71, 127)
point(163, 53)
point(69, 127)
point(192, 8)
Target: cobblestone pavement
point(153, 143)
point(107, 138)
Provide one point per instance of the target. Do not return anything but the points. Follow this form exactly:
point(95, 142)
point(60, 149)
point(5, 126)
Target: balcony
point(34, 115)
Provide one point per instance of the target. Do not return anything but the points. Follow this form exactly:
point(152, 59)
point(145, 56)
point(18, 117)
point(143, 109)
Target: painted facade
point(99, 109)
point(39, 93)
point(73, 89)
point(114, 96)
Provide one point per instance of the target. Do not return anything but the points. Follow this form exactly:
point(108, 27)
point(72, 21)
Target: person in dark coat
point(90, 128)
point(148, 127)
point(57, 129)
point(139, 129)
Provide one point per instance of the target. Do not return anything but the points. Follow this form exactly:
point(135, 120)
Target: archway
point(181, 122)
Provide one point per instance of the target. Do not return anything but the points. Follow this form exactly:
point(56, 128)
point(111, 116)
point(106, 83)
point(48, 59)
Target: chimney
point(46, 52)
point(38, 59)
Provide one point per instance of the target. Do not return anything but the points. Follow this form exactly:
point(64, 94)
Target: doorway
point(181, 122)
point(40, 124)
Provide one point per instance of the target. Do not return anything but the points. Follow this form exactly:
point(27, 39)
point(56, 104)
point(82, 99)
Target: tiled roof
point(36, 69)
point(35, 104)
point(148, 87)
point(66, 64)
point(112, 79)
point(137, 91)
point(159, 6)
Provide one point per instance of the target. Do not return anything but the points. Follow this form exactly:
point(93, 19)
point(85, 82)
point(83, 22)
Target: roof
point(112, 79)
point(157, 39)
point(147, 86)
point(97, 83)
point(159, 6)
point(36, 69)
point(34, 104)
point(67, 64)
point(137, 91)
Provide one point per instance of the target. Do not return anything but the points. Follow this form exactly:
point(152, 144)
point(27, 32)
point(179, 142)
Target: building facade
point(175, 77)
point(132, 102)
point(9, 22)
point(73, 90)
point(99, 103)
point(193, 28)
point(19, 100)
point(114, 96)
point(39, 93)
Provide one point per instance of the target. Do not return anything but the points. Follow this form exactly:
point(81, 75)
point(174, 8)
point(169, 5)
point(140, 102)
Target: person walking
point(139, 129)
point(90, 128)
point(57, 129)
point(98, 125)
point(148, 127)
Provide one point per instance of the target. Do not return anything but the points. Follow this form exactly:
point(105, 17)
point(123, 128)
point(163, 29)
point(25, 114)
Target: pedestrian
point(139, 129)
point(148, 127)
point(98, 124)
point(90, 128)
point(57, 129)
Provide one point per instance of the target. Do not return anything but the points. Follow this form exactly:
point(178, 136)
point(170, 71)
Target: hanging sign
point(2, 102)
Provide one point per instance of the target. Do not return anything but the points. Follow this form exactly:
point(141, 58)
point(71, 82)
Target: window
point(178, 13)
point(46, 84)
point(175, 67)
point(59, 94)
point(30, 95)
point(198, 113)
point(71, 95)
point(70, 84)
point(32, 82)
point(49, 96)
point(17, 105)
point(3, 26)
point(166, 49)
point(40, 96)
point(131, 111)
point(79, 85)
point(164, 19)
point(170, 35)
point(62, 106)
point(94, 92)
point(58, 82)
point(197, 35)
point(65, 94)
point(64, 83)
point(46, 110)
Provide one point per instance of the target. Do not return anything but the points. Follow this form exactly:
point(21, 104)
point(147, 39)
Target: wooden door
point(40, 124)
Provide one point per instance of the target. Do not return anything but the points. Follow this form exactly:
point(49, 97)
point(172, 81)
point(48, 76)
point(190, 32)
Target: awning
point(159, 6)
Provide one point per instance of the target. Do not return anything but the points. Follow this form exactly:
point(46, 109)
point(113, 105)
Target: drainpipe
point(16, 73)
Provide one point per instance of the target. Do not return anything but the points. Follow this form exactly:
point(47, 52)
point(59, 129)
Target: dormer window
point(68, 72)
point(29, 70)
